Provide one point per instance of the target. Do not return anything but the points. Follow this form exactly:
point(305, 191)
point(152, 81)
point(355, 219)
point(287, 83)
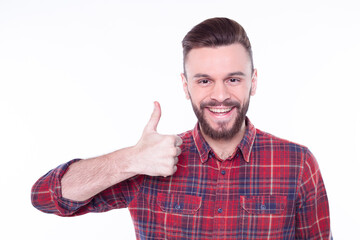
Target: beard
point(222, 133)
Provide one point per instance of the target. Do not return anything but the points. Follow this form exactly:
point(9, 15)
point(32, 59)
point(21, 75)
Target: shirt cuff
point(66, 207)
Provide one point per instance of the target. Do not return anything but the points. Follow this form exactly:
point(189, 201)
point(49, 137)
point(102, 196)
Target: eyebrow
point(239, 73)
point(202, 75)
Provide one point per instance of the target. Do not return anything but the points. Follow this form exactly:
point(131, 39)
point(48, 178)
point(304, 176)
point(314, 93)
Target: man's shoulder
point(265, 138)
point(283, 149)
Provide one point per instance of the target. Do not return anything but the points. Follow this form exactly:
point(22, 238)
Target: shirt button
point(220, 210)
point(177, 207)
point(223, 172)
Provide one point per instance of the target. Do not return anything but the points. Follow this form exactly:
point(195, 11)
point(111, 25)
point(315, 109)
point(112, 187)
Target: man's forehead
point(227, 59)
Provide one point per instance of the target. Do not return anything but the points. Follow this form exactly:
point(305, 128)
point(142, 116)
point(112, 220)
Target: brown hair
point(215, 32)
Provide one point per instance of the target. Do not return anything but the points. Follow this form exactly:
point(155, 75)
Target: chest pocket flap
point(178, 203)
point(264, 204)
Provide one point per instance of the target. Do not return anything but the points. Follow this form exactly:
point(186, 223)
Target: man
point(222, 180)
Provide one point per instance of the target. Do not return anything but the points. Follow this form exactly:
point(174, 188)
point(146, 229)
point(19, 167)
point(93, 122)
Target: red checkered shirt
point(269, 188)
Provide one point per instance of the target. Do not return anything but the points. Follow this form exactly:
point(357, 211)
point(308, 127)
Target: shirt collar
point(202, 146)
point(245, 145)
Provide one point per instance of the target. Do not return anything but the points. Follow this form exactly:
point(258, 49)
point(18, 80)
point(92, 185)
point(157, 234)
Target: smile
point(220, 110)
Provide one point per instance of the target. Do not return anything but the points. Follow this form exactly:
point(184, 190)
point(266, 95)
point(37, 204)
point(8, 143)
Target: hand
point(156, 154)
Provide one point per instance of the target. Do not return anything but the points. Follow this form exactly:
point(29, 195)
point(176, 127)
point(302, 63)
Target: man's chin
point(220, 132)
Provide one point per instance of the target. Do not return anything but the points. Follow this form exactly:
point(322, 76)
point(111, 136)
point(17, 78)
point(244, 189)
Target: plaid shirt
point(269, 188)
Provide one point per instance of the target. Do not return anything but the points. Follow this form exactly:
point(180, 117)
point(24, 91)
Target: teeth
point(220, 110)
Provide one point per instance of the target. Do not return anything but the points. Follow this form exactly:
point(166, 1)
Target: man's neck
point(225, 148)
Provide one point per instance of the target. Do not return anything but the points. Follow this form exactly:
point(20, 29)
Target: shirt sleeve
point(46, 195)
point(312, 217)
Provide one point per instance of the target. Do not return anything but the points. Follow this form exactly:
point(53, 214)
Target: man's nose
point(220, 92)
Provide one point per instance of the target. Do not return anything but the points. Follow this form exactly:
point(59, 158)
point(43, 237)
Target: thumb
point(155, 118)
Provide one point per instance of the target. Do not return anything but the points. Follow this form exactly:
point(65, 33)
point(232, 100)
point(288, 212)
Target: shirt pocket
point(179, 212)
point(264, 215)
point(265, 204)
point(178, 203)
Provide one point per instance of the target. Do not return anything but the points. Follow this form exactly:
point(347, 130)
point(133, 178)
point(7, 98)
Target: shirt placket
point(221, 199)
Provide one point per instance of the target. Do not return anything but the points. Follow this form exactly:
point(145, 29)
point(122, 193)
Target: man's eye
point(204, 81)
point(234, 81)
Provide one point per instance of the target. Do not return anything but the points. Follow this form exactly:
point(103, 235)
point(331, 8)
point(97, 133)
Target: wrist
point(125, 163)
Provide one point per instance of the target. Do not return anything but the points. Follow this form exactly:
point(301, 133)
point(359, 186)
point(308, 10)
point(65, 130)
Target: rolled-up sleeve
point(46, 195)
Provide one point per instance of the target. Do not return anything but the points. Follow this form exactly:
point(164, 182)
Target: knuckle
point(167, 140)
point(178, 151)
point(168, 163)
point(172, 162)
point(174, 151)
point(179, 141)
point(169, 171)
point(173, 139)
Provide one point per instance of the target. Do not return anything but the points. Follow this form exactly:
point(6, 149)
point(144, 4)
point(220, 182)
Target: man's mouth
point(220, 110)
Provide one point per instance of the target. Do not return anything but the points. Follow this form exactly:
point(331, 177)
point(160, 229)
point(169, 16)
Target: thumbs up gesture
point(156, 154)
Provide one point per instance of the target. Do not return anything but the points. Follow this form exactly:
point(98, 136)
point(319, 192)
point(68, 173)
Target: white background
point(78, 79)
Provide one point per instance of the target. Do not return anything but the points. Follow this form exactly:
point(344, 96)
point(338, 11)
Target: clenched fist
point(156, 154)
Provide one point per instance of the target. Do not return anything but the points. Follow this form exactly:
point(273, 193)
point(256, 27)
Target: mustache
point(215, 103)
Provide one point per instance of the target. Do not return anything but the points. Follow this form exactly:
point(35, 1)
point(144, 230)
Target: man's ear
point(253, 83)
point(185, 85)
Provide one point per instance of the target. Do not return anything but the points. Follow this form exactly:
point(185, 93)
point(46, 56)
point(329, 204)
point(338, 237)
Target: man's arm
point(79, 181)
point(86, 178)
point(312, 217)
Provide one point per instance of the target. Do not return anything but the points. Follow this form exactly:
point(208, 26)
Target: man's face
point(219, 82)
